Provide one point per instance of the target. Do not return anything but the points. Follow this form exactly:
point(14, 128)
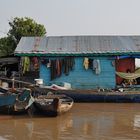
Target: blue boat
point(14, 101)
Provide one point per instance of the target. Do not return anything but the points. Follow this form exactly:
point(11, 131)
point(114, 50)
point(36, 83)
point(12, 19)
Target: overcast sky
point(75, 17)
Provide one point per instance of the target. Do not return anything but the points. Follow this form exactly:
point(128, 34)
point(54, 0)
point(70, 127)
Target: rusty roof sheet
point(78, 45)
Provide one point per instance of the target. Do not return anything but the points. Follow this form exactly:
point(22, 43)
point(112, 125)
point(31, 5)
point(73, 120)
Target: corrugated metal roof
point(78, 45)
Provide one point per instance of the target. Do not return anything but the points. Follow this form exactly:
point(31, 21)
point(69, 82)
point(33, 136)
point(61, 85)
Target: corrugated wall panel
point(84, 79)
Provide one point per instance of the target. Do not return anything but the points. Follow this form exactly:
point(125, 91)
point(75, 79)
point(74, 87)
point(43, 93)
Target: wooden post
point(13, 83)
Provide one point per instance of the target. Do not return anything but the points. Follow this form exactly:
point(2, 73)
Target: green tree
point(7, 45)
point(19, 27)
point(25, 27)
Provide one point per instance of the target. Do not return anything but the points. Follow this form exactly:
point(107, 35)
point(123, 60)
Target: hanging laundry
point(26, 64)
point(53, 69)
point(61, 65)
point(35, 63)
point(66, 66)
point(96, 66)
point(86, 63)
point(90, 63)
point(72, 63)
point(58, 67)
point(44, 61)
point(48, 63)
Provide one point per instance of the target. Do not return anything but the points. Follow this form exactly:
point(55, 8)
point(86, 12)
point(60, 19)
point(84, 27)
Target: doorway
point(123, 65)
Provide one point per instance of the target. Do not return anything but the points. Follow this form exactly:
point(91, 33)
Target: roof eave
point(78, 54)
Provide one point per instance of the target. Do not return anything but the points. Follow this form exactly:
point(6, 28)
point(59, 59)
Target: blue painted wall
point(84, 79)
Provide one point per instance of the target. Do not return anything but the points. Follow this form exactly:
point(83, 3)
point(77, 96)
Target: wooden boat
point(53, 105)
point(14, 101)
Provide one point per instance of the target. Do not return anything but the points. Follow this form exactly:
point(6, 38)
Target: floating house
point(8, 65)
point(85, 62)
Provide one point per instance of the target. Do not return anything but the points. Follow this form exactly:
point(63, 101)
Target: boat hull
point(14, 103)
point(53, 105)
point(105, 97)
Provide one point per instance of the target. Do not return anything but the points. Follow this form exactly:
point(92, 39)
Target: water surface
point(86, 121)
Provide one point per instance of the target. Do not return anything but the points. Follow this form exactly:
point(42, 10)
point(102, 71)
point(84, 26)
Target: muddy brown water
point(86, 121)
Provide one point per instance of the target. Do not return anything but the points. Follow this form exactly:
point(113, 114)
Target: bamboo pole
point(18, 81)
